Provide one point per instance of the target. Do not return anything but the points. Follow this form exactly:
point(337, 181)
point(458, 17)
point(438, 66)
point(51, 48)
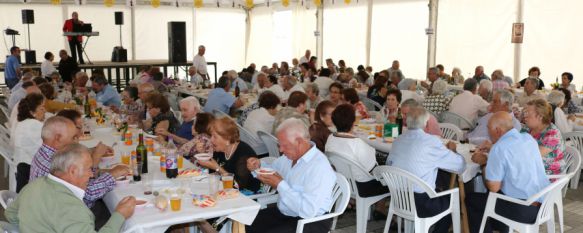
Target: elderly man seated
point(59, 132)
point(468, 104)
point(237, 81)
point(430, 155)
point(304, 180)
point(513, 167)
point(54, 203)
point(501, 102)
point(485, 89)
point(432, 126)
point(104, 93)
point(530, 92)
point(221, 99)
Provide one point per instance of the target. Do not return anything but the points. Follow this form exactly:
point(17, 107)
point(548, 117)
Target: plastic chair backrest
point(401, 185)
point(219, 113)
point(371, 105)
point(572, 159)
point(340, 194)
point(347, 168)
point(247, 137)
point(576, 138)
point(270, 142)
point(7, 197)
point(459, 121)
point(450, 131)
point(549, 195)
point(7, 227)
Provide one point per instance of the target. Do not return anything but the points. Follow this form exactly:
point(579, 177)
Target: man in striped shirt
point(57, 133)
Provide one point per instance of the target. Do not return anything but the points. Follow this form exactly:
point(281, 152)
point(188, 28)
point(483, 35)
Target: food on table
point(85, 137)
point(190, 172)
point(203, 201)
point(161, 202)
point(228, 193)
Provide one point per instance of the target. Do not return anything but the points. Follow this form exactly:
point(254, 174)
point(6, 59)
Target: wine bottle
point(87, 107)
point(142, 153)
point(237, 90)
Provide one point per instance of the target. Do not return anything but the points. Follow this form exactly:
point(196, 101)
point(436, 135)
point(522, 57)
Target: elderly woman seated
point(162, 117)
point(569, 106)
point(538, 115)
point(408, 89)
point(565, 123)
point(350, 96)
point(437, 102)
point(322, 126)
point(566, 79)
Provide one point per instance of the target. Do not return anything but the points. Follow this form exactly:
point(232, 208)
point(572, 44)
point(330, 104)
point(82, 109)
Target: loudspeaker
point(118, 18)
point(30, 56)
point(27, 16)
point(119, 54)
point(176, 42)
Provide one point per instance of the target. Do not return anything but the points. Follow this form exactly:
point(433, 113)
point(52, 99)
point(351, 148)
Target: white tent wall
point(222, 32)
point(344, 34)
point(260, 50)
point(472, 33)
point(552, 39)
point(398, 33)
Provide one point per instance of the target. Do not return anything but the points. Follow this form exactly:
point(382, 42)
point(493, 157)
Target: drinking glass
point(227, 181)
point(175, 202)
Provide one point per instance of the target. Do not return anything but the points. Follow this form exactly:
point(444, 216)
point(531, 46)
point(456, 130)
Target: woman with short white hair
point(437, 102)
point(408, 89)
point(565, 123)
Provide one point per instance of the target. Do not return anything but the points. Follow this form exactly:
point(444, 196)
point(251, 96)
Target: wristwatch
point(218, 169)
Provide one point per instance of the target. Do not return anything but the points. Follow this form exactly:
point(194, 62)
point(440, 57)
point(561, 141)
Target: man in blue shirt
point(104, 93)
point(502, 100)
point(221, 99)
point(304, 180)
point(513, 167)
point(12, 68)
point(423, 154)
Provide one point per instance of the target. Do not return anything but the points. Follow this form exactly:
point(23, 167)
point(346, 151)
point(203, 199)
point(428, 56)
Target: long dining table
point(240, 209)
point(366, 131)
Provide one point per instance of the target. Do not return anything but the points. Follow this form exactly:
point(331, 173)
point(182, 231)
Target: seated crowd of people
point(311, 112)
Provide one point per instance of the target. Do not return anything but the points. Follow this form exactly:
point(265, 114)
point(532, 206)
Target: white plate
point(203, 156)
point(149, 135)
point(142, 205)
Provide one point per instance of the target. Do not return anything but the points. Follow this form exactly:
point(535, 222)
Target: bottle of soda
point(171, 159)
point(142, 153)
point(135, 164)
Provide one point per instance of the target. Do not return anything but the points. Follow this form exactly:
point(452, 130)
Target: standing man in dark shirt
point(67, 66)
point(74, 41)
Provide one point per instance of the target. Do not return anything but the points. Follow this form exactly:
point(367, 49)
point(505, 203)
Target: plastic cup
point(227, 181)
point(180, 161)
point(175, 203)
point(125, 158)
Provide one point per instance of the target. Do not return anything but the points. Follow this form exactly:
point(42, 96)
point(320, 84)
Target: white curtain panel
point(552, 39)
point(398, 33)
point(345, 33)
point(260, 50)
point(478, 32)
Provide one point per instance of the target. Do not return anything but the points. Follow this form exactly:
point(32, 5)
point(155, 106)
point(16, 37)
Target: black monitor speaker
point(176, 42)
point(30, 56)
point(27, 16)
point(118, 18)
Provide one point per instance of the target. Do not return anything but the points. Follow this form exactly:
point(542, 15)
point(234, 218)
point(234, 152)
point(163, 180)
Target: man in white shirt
point(306, 57)
point(290, 84)
point(324, 81)
point(194, 76)
point(199, 62)
point(259, 85)
point(304, 180)
point(47, 68)
point(394, 68)
point(501, 102)
point(272, 86)
point(468, 104)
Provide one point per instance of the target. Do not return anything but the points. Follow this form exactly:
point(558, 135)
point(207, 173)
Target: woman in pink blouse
point(201, 142)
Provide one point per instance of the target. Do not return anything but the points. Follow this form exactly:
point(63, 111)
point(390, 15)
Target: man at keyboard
point(72, 25)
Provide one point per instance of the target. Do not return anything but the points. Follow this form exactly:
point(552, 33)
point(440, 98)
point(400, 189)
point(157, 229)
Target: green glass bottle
point(87, 107)
point(141, 153)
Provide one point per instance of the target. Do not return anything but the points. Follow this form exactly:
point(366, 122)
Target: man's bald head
point(499, 124)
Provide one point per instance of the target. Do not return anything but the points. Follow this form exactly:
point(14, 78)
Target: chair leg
point(455, 215)
point(560, 213)
point(388, 222)
point(362, 213)
point(334, 221)
point(6, 167)
point(399, 220)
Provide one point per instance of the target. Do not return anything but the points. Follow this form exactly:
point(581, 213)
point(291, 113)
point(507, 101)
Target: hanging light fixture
point(108, 3)
point(155, 3)
point(198, 3)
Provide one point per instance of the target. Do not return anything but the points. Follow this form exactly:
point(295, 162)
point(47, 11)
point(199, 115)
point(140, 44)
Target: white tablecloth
point(150, 219)
point(472, 169)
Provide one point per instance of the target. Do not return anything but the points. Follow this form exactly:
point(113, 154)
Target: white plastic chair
point(248, 137)
point(340, 195)
point(550, 195)
point(401, 184)
point(451, 131)
point(370, 104)
point(576, 139)
point(5, 111)
point(270, 142)
point(347, 168)
point(7, 227)
point(7, 197)
point(459, 121)
point(219, 113)
point(7, 152)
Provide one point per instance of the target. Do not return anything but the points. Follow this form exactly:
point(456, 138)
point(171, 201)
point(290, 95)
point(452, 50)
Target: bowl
point(265, 171)
point(203, 156)
point(122, 181)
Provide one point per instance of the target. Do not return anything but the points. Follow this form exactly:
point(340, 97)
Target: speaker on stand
point(119, 53)
point(28, 19)
point(176, 42)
